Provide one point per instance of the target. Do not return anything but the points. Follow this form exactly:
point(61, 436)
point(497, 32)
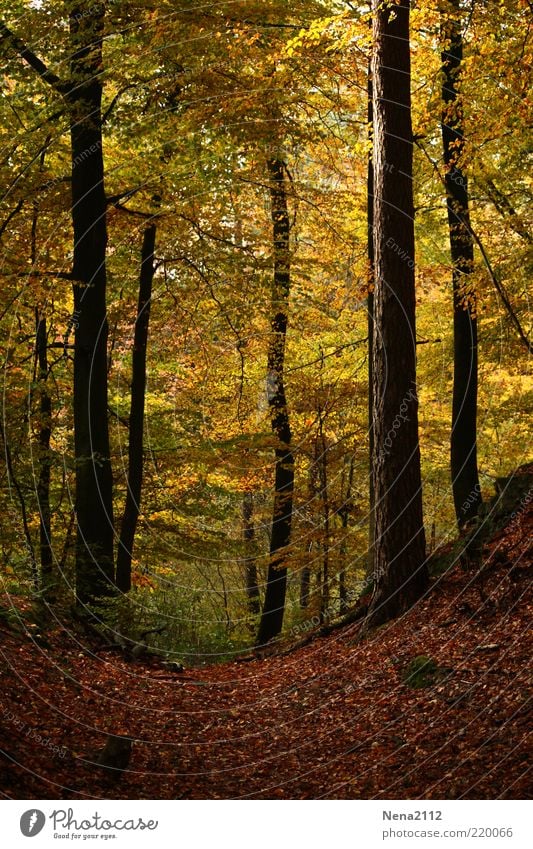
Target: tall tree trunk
point(94, 501)
point(45, 417)
point(400, 571)
point(94, 483)
point(45, 430)
point(464, 469)
point(250, 563)
point(370, 312)
point(305, 580)
point(344, 513)
point(322, 460)
point(136, 420)
point(13, 481)
point(274, 603)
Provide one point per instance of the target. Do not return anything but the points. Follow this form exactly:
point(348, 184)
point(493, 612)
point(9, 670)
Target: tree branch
point(498, 285)
point(505, 208)
point(55, 275)
point(9, 39)
point(11, 215)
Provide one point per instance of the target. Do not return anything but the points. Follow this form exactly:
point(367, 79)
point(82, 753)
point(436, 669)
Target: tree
point(400, 571)
point(274, 602)
point(94, 494)
point(195, 119)
point(250, 560)
point(370, 310)
point(464, 468)
point(44, 455)
point(82, 94)
point(136, 418)
point(44, 419)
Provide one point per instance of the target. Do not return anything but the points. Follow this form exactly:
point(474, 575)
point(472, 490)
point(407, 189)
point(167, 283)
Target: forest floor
point(333, 719)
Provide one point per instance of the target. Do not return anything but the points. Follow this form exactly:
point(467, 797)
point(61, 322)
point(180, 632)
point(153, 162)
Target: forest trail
point(335, 719)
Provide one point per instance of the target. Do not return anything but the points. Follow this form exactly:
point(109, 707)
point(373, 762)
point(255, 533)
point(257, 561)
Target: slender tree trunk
point(13, 481)
point(45, 416)
point(45, 430)
point(68, 544)
point(94, 501)
point(400, 571)
point(464, 469)
point(343, 591)
point(250, 563)
point(306, 591)
point(323, 478)
point(344, 513)
point(305, 581)
point(136, 420)
point(274, 603)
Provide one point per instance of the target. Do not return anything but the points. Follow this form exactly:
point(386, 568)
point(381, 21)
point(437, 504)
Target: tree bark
point(136, 419)
point(94, 501)
point(45, 417)
point(274, 603)
point(305, 582)
point(370, 312)
point(344, 513)
point(322, 460)
point(464, 468)
point(45, 430)
point(400, 571)
point(250, 563)
point(94, 483)
point(13, 480)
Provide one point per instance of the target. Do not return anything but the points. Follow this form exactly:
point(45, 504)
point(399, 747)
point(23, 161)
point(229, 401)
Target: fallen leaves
point(333, 719)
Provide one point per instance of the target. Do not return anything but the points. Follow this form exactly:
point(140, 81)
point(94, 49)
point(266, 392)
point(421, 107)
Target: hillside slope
point(335, 719)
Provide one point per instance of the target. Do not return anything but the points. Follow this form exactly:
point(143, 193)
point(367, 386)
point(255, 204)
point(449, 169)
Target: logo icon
point(32, 822)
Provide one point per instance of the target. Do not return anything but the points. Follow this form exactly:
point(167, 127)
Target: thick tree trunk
point(274, 603)
point(464, 469)
point(250, 563)
point(136, 420)
point(45, 430)
point(370, 311)
point(94, 484)
point(400, 571)
point(94, 502)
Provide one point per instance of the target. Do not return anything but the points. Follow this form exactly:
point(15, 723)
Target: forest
point(266, 515)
